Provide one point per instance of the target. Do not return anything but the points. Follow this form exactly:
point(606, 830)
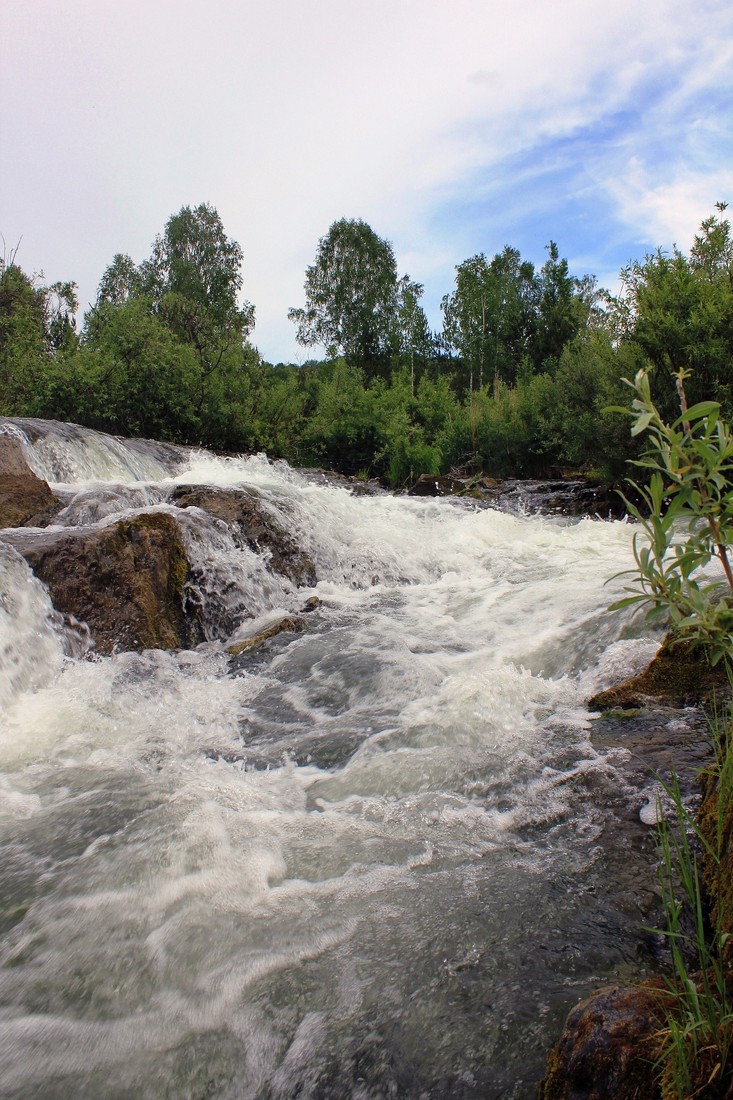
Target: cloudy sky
point(451, 126)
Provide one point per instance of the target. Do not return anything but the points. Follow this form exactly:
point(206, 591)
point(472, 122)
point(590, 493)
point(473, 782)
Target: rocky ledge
point(25, 500)
point(612, 1042)
point(131, 582)
point(126, 581)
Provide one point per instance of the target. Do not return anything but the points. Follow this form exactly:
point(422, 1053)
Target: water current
point(377, 859)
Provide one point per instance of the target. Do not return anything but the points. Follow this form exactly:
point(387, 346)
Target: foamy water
point(366, 861)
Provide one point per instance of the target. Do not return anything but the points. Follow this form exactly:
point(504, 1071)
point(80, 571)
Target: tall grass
point(696, 1044)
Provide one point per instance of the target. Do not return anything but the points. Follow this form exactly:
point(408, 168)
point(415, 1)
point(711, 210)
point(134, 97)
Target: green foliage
point(490, 317)
point(131, 377)
point(191, 287)
point(689, 525)
point(36, 323)
point(689, 499)
point(679, 310)
point(351, 296)
point(696, 1044)
point(503, 317)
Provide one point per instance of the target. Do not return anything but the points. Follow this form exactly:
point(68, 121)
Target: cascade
point(380, 857)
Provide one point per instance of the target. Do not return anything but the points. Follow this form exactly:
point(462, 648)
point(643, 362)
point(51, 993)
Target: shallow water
point(381, 858)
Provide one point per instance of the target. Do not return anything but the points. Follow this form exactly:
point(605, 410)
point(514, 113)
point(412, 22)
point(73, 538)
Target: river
point(378, 859)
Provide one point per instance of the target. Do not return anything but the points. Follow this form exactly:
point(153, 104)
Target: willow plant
point(685, 518)
point(685, 515)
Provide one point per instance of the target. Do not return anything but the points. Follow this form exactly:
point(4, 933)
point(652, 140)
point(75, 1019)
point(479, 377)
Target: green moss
point(680, 675)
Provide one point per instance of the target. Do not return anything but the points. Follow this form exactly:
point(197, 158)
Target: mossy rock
point(127, 582)
point(679, 676)
point(608, 1048)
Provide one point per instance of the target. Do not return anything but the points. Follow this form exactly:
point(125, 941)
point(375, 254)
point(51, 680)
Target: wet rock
point(429, 485)
point(679, 676)
point(127, 582)
point(249, 522)
point(291, 624)
point(608, 1047)
point(25, 500)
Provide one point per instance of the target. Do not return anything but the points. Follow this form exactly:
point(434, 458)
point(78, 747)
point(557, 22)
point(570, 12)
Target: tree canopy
point(352, 298)
point(515, 384)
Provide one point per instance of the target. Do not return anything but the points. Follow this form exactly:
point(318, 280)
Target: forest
point(517, 382)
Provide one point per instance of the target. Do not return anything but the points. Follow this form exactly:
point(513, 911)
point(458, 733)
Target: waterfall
point(371, 859)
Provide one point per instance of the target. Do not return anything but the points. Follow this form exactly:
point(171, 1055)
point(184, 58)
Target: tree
point(121, 281)
point(490, 317)
point(194, 279)
point(414, 339)
point(679, 310)
point(191, 284)
point(36, 323)
point(352, 299)
point(564, 309)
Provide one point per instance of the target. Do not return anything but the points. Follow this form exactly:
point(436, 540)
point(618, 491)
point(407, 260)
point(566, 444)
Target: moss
point(609, 1048)
point(680, 675)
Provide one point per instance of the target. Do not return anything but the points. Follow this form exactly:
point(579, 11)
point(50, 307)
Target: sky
point(452, 127)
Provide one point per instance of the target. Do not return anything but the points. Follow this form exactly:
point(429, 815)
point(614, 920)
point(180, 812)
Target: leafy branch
point(686, 519)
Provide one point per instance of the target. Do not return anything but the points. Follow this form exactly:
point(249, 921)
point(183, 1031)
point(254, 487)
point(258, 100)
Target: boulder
point(127, 581)
point(250, 524)
point(25, 500)
point(609, 1047)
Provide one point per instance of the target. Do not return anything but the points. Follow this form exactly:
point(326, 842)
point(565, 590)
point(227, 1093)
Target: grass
point(697, 1042)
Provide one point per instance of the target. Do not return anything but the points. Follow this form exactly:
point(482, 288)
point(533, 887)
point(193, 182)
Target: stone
point(249, 522)
point(25, 500)
point(126, 581)
point(291, 624)
point(678, 676)
point(609, 1046)
point(429, 485)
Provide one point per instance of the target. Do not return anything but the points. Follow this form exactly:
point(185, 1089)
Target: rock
point(679, 676)
point(244, 514)
point(429, 485)
point(25, 500)
point(289, 624)
point(127, 581)
point(608, 1047)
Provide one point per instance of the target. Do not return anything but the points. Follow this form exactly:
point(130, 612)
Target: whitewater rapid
point(370, 860)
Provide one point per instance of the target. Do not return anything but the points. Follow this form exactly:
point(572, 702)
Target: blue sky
point(452, 126)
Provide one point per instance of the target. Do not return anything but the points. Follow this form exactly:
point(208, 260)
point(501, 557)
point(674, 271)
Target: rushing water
point(377, 859)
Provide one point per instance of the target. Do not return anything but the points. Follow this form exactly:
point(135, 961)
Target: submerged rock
point(289, 624)
point(25, 500)
point(127, 581)
point(248, 520)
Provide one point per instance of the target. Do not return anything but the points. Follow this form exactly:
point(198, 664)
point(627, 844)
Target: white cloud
point(287, 114)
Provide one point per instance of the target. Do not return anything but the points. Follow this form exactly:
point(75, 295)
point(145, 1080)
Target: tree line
point(514, 384)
